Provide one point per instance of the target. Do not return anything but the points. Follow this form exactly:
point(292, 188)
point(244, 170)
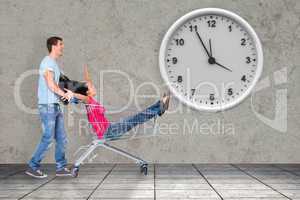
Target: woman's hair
point(74, 86)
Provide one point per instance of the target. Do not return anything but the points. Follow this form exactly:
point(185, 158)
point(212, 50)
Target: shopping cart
point(130, 131)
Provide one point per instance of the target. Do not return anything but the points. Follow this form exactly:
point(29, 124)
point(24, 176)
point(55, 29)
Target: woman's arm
point(86, 75)
point(81, 97)
point(91, 88)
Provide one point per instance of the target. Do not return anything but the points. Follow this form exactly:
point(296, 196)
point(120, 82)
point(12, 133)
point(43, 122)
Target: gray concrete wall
point(126, 36)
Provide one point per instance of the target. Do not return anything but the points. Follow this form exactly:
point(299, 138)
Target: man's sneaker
point(35, 173)
point(64, 172)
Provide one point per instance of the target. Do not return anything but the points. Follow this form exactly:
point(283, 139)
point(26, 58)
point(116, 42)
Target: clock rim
point(214, 11)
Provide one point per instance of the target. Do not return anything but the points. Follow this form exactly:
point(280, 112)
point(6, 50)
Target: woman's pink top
point(96, 117)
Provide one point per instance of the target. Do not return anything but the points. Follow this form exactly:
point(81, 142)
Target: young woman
point(110, 131)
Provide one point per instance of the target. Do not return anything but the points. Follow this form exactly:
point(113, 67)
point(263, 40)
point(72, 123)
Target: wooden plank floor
point(166, 182)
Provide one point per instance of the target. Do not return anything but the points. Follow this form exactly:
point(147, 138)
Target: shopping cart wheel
point(144, 168)
point(75, 171)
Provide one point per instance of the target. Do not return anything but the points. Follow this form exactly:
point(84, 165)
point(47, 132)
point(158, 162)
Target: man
point(50, 112)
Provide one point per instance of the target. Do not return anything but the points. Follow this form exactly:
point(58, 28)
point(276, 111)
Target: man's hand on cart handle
point(68, 95)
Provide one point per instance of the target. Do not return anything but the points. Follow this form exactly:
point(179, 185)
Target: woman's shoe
point(164, 103)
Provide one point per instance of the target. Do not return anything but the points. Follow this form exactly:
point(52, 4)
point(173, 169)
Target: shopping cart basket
point(130, 132)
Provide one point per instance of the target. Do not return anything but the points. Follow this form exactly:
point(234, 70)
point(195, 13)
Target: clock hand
point(223, 66)
point(210, 48)
point(202, 44)
point(212, 60)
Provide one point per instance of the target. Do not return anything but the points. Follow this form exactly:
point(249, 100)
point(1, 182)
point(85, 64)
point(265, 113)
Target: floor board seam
point(35, 189)
point(12, 174)
point(154, 176)
point(254, 177)
point(94, 190)
point(286, 170)
point(207, 181)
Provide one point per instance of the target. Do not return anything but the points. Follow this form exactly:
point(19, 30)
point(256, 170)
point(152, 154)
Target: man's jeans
point(117, 129)
point(53, 127)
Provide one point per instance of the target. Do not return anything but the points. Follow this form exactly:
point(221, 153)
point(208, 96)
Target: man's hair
point(52, 41)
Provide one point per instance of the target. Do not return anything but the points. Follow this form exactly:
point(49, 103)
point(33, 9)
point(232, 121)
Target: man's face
point(58, 48)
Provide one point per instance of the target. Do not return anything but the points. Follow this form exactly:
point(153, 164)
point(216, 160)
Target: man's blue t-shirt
point(45, 95)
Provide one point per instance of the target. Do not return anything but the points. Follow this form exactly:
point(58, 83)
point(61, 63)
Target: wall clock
point(211, 59)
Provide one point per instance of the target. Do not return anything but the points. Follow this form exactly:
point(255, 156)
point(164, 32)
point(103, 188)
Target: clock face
point(211, 59)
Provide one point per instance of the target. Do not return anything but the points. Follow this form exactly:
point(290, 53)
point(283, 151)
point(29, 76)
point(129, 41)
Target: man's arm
point(48, 75)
